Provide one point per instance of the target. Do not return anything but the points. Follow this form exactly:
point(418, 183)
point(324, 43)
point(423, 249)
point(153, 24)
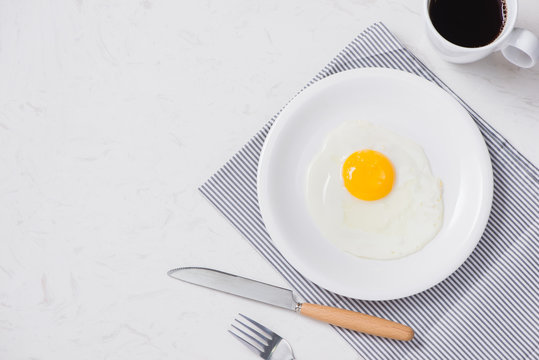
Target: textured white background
point(113, 112)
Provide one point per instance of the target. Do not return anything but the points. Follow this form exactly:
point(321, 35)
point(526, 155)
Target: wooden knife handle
point(357, 321)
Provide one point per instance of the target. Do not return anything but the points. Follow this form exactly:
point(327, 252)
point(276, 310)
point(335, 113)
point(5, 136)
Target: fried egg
point(371, 192)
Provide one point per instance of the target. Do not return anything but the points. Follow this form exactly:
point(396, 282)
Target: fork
point(267, 344)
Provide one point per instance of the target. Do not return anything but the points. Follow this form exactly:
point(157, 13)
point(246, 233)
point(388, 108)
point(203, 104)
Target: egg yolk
point(368, 175)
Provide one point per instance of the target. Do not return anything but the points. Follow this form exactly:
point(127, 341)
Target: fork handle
point(357, 321)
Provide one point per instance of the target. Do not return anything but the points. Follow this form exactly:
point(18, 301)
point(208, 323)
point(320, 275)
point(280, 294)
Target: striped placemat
point(488, 309)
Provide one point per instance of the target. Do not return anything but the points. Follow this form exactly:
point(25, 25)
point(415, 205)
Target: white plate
point(410, 106)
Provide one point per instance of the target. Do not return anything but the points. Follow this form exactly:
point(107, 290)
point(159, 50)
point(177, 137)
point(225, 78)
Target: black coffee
point(468, 23)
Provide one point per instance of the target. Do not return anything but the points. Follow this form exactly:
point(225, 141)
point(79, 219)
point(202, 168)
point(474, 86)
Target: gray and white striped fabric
point(488, 309)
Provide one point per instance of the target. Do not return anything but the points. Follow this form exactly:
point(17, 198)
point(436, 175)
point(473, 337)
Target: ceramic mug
point(519, 46)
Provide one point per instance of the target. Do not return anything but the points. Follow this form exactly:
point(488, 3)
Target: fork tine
point(262, 336)
point(274, 343)
point(248, 344)
point(260, 326)
point(249, 336)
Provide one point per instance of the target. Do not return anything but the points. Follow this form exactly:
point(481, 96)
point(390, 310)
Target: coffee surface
point(468, 23)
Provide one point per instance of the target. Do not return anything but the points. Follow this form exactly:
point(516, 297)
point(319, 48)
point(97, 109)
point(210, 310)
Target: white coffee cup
point(519, 46)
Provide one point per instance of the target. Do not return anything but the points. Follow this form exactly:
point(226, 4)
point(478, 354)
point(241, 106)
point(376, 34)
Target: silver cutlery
point(261, 340)
point(277, 296)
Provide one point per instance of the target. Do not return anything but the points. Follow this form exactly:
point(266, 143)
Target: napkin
point(488, 308)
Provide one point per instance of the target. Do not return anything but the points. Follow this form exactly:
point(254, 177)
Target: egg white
point(397, 225)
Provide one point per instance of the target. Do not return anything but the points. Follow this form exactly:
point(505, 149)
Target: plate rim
point(487, 184)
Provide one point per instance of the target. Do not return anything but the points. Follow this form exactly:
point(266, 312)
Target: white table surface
point(113, 112)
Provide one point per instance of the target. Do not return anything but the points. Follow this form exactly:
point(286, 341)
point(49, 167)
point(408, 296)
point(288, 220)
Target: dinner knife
point(281, 297)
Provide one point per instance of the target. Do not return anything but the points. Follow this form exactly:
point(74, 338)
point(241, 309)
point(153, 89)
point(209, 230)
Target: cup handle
point(522, 48)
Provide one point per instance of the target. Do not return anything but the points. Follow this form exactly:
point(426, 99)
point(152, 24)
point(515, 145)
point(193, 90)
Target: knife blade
point(284, 298)
point(237, 285)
